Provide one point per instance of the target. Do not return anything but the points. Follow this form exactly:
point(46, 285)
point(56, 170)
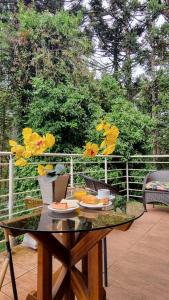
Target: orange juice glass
point(79, 193)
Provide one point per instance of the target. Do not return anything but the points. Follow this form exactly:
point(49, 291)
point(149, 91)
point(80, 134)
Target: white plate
point(72, 202)
point(63, 211)
point(95, 206)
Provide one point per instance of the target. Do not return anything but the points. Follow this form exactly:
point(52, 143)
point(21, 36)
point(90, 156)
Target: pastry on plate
point(104, 201)
point(59, 205)
point(90, 199)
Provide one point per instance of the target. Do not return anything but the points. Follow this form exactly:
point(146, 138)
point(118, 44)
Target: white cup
point(103, 193)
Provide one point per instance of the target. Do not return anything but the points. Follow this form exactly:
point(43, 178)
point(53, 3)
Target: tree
point(46, 63)
point(154, 57)
point(117, 27)
point(135, 127)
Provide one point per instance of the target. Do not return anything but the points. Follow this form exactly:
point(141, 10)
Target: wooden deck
point(138, 262)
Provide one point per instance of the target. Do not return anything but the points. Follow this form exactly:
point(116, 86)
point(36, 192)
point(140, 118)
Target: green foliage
point(45, 72)
point(68, 113)
point(135, 127)
point(119, 203)
point(42, 46)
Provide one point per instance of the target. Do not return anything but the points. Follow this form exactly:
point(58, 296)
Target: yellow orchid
point(91, 150)
point(42, 170)
point(21, 162)
point(34, 145)
point(18, 150)
point(106, 126)
point(108, 144)
point(103, 144)
point(38, 144)
point(27, 135)
point(113, 131)
point(49, 140)
point(109, 150)
point(12, 143)
point(27, 153)
point(103, 126)
point(100, 126)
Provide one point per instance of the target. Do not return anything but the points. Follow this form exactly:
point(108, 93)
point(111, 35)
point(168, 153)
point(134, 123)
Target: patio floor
point(138, 261)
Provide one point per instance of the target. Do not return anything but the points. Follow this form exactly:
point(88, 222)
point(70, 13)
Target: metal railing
point(100, 168)
point(130, 173)
point(127, 175)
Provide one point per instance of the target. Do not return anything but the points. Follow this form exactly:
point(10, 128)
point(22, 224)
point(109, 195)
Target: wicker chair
point(95, 185)
point(153, 196)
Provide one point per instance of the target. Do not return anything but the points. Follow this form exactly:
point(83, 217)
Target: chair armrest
point(145, 181)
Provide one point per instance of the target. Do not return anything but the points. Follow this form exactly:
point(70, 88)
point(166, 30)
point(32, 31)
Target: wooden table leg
point(68, 281)
point(95, 281)
point(68, 240)
point(3, 271)
point(85, 268)
point(44, 284)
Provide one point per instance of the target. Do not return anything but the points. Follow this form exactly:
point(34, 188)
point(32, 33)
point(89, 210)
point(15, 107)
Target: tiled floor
point(138, 262)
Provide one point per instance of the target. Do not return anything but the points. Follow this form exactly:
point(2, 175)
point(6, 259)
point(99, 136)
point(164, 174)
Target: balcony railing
point(127, 175)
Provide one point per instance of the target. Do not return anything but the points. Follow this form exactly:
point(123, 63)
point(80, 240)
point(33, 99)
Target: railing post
point(11, 180)
point(71, 172)
point(127, 179)
point(105, 169)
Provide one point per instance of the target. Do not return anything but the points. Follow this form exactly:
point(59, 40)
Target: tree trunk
point(154, 94)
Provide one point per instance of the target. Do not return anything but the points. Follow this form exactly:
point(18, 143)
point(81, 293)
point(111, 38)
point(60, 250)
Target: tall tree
point(117, 26)
point(154, 58)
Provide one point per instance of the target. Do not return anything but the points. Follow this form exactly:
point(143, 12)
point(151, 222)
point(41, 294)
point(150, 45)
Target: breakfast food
point(93, 200)
point(104, 201)
point(90, 199)
point(59, 205)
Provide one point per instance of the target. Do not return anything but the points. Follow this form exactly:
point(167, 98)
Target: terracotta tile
point(135, 281)
point(4, 297)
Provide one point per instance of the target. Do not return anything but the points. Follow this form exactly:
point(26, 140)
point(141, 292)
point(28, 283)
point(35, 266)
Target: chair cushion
point(157, 186)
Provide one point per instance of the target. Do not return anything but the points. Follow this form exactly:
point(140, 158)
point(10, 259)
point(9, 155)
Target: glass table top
point(42, 219)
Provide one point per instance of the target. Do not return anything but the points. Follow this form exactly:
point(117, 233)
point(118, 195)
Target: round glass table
point(72, 237)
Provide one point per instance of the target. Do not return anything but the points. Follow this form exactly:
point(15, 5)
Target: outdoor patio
point(138, 261)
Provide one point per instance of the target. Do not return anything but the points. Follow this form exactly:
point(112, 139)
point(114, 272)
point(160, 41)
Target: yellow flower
point(26, 132)
point(49, 140)
point(103, 126)
point(35, 137)
point(27, 153)
point(27, 135)
point(21, 162)
point(42, 170)
point(106, 126)
point(100, 126)
point(37, 144)
point(12, 143)
point(34, 144)
point(113, 131)
point(103, 144)
point(91, 150)
point(109, 150)
point(18, 150)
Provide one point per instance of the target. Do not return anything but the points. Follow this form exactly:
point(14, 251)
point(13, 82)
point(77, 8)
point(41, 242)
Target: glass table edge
point(69, 231)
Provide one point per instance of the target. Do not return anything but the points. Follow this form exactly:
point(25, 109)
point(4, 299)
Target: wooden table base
point(68, 282)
